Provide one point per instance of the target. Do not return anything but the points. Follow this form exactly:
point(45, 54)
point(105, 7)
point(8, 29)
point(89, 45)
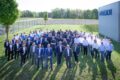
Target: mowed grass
point(88, 69)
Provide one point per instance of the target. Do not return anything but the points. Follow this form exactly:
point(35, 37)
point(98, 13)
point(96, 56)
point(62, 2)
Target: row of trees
point(64, 13)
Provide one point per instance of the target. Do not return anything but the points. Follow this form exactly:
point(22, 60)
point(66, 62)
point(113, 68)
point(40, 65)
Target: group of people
point(42, 46)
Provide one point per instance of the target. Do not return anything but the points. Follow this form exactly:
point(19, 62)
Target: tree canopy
point(8, 13)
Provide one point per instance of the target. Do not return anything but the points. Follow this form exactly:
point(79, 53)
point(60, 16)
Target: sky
point(49, 5)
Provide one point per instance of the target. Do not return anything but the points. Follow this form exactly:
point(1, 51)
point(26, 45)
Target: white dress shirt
point(68, 52)
point(24, 49)
point(10, 47)
point(39, 52)
point(33, 49)
point(85, 43)
point(95, 46)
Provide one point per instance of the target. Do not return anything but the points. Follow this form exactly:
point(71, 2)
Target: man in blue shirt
point(102, 51)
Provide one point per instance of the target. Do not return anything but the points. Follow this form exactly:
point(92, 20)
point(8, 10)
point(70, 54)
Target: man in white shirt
point(76, 39)
point(95, 47)
point(85, 46)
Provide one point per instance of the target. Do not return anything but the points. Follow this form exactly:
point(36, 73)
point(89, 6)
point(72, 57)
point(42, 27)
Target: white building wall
point(109, 25)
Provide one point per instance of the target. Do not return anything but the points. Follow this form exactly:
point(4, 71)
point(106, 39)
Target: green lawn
point(88, 69)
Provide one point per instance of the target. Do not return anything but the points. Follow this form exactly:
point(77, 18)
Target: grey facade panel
point(109, 25)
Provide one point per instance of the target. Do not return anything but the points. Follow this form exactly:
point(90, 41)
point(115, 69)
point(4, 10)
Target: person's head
point(68, 46)
point(64, 39)
point(48, 45)
point(33, 43)
point(39, 45)
point(95, 41)
point(10, 42)
point(24, 44)
point(60, 42)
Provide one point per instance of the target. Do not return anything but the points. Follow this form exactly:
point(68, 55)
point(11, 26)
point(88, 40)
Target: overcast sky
point(48, 5)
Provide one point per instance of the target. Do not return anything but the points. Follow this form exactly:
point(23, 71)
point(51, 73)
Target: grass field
point(88, 69)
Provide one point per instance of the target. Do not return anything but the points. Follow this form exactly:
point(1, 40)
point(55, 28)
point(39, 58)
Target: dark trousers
point(10, 55)
point(51, 64)
point(75, 56)
point(16, 54)
point(59, 58)
point(102, 55)
point(81, 47)
point(6, 52)
point(95, 53)
point(85, 50)
point(33, 56)
point(68, 62)
point(108, 55)
point(28, 53)
point(23, 58)
point(40, 62)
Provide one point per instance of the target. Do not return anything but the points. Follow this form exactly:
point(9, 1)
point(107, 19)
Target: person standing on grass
point(23, 52)
point(16, 49)
point(59, 52)
point(49, 56)
point(39, 57)
point(53, 45)
point(95, 52)
point(102, 51)
point(10, 51)
point(90, 42)
point(68, 56)
point(76, 51)
point(28, 44)
point(6, 46)
point(109, 49)
point(33, 52)
point(85, 46)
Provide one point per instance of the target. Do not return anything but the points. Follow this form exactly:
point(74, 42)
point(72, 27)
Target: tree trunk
point(7, 31)
point(45, 22)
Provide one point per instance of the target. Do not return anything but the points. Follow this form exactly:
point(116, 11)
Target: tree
point(8, 14)
point(45, 17)
point(27, 13)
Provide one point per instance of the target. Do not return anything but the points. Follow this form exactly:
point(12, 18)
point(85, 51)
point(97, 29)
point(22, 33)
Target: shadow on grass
point(103, 70)
point(83, 61)
point(69, 74)
point(92, 67)
point(112, 68)
point(56, 70)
